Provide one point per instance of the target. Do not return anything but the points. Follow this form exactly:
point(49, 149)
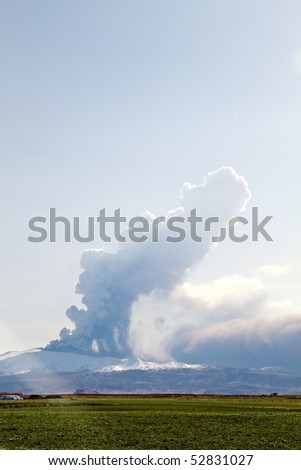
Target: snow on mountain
point(41, 360)
point(40, 371)
point(135, 363)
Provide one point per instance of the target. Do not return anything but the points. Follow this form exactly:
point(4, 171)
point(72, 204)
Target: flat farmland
point(151, 422)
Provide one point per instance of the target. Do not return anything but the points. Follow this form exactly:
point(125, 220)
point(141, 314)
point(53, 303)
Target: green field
point(151, 423)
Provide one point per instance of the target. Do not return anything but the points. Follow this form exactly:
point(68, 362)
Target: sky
point(117, 105)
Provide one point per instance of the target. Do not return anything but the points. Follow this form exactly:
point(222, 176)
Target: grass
point(152, 423)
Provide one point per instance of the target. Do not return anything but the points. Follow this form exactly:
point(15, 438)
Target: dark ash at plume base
point(111, 283)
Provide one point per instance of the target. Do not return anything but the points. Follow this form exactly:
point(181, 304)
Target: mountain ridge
point(43, 371)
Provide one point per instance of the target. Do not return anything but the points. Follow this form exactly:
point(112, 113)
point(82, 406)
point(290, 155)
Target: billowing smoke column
point(111, 283)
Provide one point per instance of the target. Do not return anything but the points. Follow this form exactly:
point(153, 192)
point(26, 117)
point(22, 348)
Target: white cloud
point(232, 289)
point(231, 313)
point(272, 270)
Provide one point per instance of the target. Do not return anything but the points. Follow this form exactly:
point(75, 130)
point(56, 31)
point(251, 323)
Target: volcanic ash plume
point(111, 283)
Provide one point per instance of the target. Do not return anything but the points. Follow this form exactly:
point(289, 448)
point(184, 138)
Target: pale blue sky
point(118, 103)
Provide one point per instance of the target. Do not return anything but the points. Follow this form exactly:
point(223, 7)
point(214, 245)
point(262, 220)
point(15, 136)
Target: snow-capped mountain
point(43, 371)
point(46, 361)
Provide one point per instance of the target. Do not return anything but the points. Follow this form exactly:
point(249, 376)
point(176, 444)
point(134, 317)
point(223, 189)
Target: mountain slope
point(47, 372)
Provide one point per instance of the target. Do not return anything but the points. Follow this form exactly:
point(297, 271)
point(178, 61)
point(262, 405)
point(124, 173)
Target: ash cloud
point(111, 283)
point(230, 321)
